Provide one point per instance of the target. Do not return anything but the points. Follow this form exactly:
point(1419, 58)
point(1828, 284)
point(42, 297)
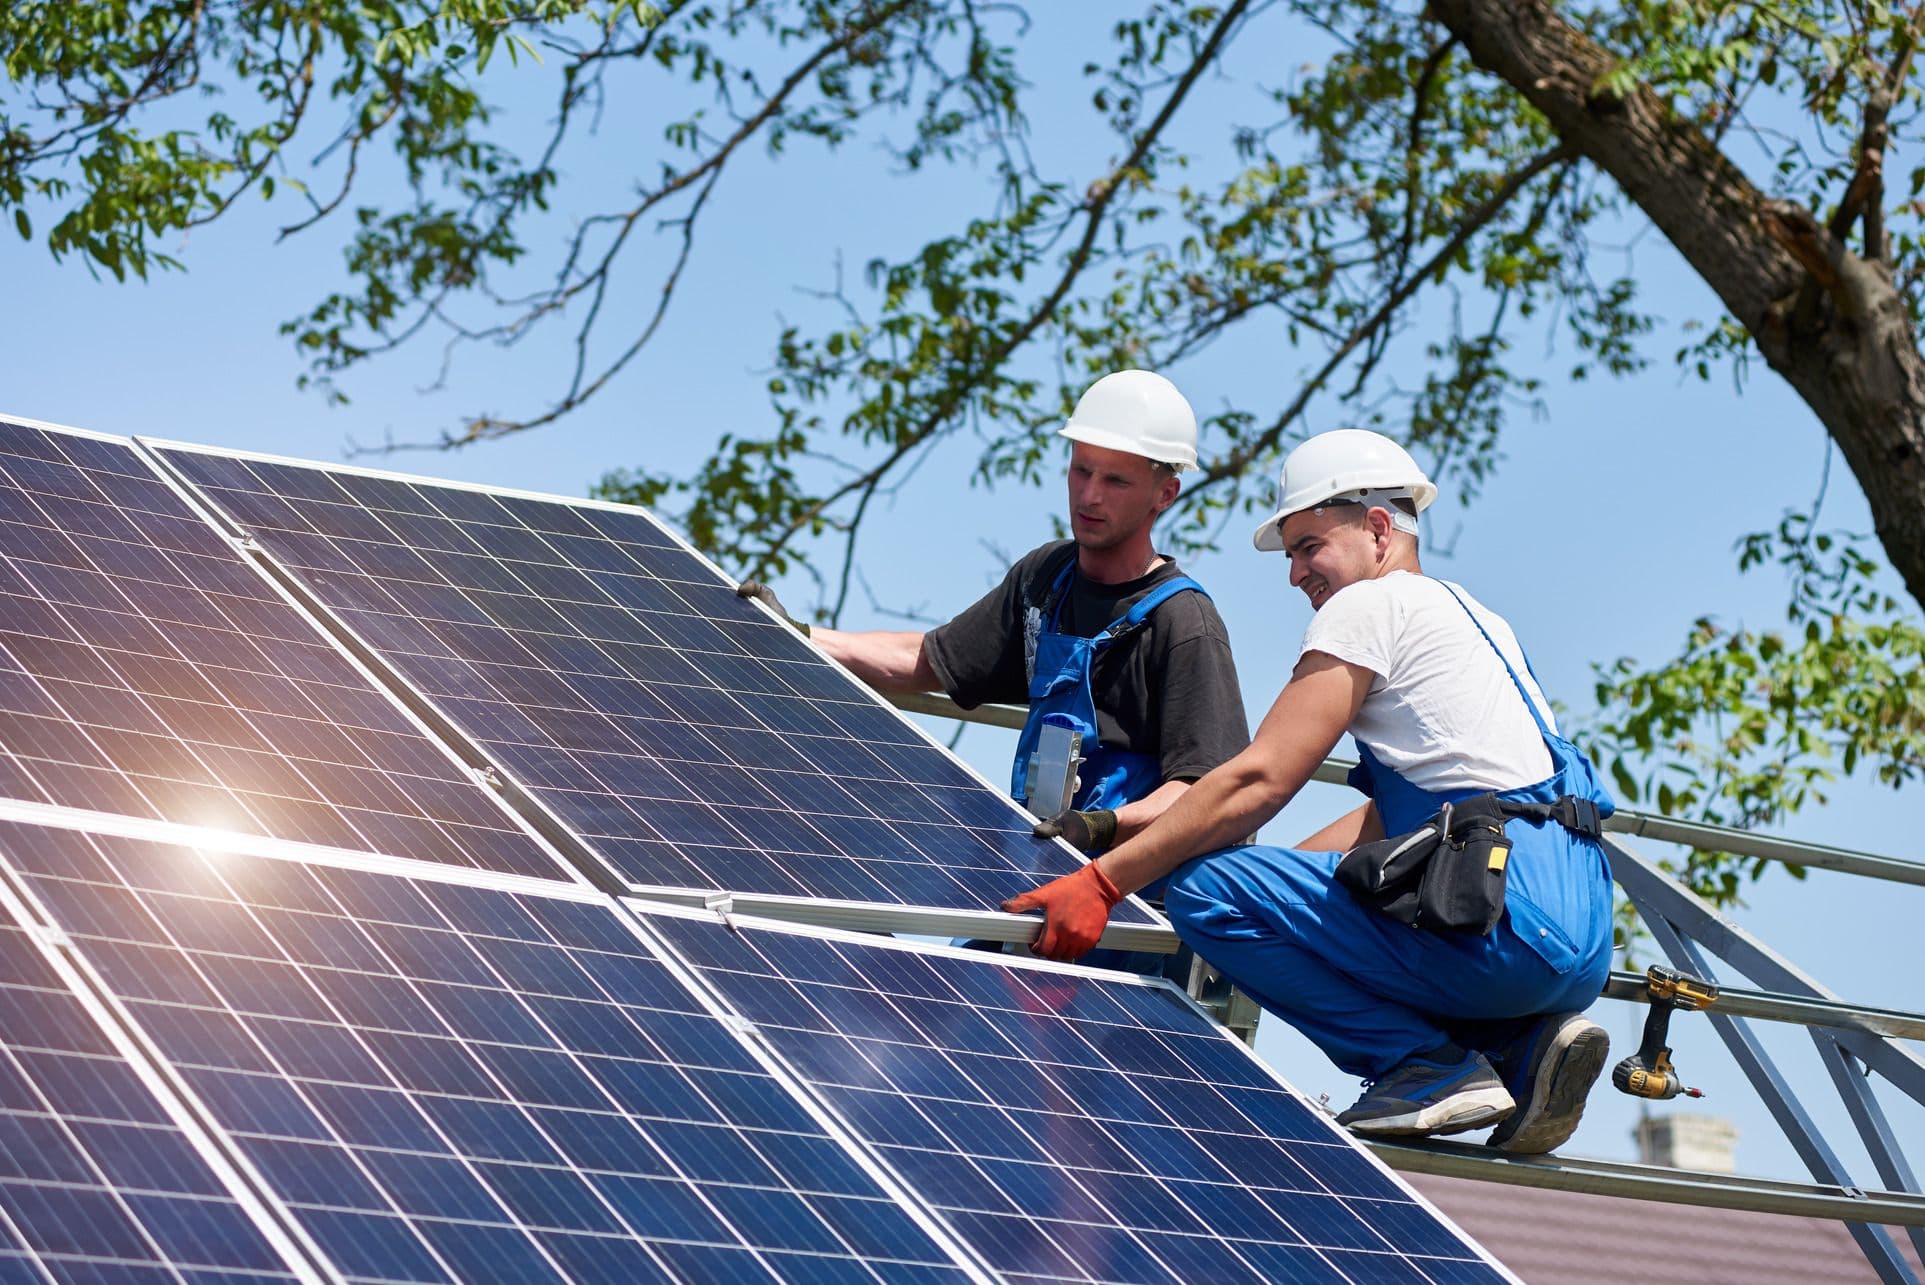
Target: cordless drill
point(1648, 1073)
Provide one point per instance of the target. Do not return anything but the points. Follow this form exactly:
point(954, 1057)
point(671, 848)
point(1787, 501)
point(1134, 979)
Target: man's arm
point(1219, 810)
point(886, 660)
point(1135, 817)
point(1359, 825)
point(1235, 800)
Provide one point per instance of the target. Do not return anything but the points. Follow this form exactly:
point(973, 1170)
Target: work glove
point(1086, 831)
point(1076, 909)
point(766, 596)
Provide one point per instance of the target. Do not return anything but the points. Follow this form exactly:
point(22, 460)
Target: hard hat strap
point(1379, 498)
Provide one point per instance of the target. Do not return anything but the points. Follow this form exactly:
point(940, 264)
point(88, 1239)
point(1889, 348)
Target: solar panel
point(97, 1181)
point(688, 738)
point(440, 1081)
point(147, 669)
point(473, 1066)
point(1069, 1124)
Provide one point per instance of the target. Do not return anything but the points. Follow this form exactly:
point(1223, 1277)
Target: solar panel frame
point(1134, 927)
point(120, 695)
point(398, 889)
point(103, 1122)
point(1361, 1177)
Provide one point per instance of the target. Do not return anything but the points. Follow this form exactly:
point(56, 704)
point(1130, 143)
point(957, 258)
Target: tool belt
point(1448, 874)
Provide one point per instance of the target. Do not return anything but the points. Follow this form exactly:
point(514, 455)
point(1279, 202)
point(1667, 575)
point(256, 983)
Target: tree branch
point(1096, 204)
point(1866, 193)
point(1239, 460)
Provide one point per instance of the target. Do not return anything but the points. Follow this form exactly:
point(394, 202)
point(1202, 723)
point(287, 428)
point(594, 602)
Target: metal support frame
point(1869, 1117)
point(1652, 1182)
point(1641, 878)
point(1645, 825)
point(1797, 1009)
point(879, 917)
point(1684, 926)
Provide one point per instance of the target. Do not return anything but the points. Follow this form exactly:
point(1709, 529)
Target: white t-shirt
point(1441, 712)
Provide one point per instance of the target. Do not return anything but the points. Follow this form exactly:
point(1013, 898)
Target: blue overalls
point(1370, 991)
point(1060, 684)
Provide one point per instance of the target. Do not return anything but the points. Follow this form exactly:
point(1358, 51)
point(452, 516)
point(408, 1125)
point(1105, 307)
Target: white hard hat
point(1139, 412)
point(1346, 464)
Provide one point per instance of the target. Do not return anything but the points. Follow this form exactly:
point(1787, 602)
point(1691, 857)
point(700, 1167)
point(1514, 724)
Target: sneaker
point(1549, 1069)
point(1422, 1097)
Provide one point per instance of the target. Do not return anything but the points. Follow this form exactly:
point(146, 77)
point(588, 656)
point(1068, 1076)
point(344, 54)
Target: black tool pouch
point(1447, 875)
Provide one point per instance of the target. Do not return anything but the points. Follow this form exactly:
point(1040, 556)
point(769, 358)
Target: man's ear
point(1166, 492)
point(1381, 525)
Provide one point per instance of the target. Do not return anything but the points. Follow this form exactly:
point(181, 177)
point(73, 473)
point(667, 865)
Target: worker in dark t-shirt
point(1165, 693)
point(1100, 631)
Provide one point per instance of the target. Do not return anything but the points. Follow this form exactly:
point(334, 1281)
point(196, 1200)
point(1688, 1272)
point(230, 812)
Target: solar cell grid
point(96, 1181)
point(445, 1082)
point(146, 669)
point(690, 740)
point(1070, 1126)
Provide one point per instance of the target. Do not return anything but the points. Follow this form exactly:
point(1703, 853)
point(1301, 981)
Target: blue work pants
point(1370, 991)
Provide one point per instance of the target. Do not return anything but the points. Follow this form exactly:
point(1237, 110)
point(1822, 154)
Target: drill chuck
point(1658, 1081)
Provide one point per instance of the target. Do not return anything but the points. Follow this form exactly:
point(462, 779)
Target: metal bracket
point(51, 934)
point(723, 904)
point(1230, 1006)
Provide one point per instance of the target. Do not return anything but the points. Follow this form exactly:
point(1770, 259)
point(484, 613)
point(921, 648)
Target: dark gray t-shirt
point(1168, 690)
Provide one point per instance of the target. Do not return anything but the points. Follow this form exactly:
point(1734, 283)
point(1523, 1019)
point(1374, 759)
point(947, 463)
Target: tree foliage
point(1410, 187)
point(1744, 727)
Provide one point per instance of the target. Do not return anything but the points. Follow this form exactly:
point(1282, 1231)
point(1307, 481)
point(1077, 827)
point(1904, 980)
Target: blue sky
point(1605, 533)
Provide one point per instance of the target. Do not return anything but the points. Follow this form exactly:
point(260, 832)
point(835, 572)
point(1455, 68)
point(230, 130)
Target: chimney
point(1682, 1141)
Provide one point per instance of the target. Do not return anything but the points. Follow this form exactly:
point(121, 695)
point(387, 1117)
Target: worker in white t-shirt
point(1451, 1029)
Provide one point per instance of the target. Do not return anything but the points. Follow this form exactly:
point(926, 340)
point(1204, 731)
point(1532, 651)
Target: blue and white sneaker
point(1549, 1069)
point(1421, 1097)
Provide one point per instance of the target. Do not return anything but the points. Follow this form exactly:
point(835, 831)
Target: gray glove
point(1084, 831)
point(766, 596)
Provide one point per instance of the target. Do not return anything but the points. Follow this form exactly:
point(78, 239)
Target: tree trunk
point(1826, 319)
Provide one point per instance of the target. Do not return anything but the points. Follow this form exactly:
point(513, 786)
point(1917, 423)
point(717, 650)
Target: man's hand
point(1076, 909)
point(1085, 831)
point(766, 596)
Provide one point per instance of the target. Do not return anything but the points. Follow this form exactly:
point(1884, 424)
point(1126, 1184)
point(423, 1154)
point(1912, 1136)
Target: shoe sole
point(1547, 1118)
point(1459, 1113)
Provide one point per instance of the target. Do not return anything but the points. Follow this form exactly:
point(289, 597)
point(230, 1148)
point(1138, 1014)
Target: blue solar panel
point(97, 1183)
point(1071, 1125)
point(146, 669)
point(690, 740)
point(451, 1083)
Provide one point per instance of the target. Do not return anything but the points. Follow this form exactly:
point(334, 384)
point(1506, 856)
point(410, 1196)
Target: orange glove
point(1076, 909)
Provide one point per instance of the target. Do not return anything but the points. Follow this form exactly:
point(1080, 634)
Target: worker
point(1100, 628)
point(1451, 1030)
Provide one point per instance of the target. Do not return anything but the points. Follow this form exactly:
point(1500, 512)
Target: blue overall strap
point(1059, 592)
point(1147, 604)
point(1543, 728)
point(1573, 781)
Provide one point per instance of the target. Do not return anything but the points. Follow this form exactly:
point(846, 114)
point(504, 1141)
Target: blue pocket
point(1544, 935)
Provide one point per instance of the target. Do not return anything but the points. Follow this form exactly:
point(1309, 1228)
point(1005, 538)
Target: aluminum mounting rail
point(1650, 1182)
point(1649, 825)
point(1775, 1006)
